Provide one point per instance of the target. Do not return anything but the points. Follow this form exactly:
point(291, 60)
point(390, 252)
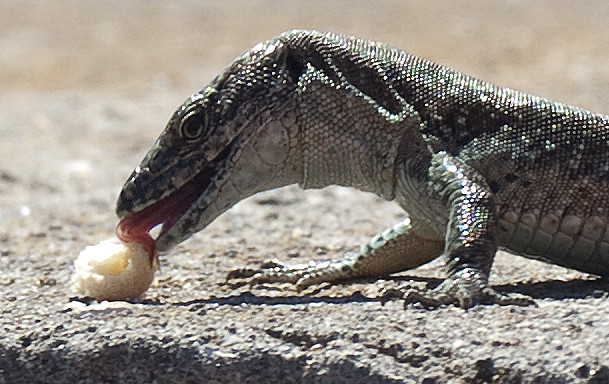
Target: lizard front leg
point(396, 249)
point(470, 244)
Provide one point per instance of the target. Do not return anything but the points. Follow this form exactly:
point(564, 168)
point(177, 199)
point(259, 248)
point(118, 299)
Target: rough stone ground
point(86, 86)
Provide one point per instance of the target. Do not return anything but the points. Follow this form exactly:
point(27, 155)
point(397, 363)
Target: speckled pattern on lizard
point(477, 167)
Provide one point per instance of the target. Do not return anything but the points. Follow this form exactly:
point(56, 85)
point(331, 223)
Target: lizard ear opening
point(294, 66)
point(370, 79)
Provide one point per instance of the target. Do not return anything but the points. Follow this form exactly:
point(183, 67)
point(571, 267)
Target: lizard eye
point(192, 125)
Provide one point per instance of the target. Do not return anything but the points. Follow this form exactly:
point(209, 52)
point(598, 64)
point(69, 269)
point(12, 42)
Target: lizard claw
point(256, 273)
point(301, 276)
point(241, 273)
point(465, 293)
point(273, 271)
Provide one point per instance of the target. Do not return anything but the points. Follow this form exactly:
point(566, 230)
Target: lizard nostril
point(125, 203)
point(136, 191)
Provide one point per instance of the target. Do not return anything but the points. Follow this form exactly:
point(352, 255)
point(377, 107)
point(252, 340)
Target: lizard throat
point(166, 212)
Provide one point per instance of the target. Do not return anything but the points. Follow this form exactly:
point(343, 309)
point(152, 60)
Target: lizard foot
point(301, 275)
point(466, 293)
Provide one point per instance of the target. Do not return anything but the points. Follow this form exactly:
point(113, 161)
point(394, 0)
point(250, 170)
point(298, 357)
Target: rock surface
point(87, 87)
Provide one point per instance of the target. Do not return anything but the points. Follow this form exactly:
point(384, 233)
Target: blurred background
point(145, 46)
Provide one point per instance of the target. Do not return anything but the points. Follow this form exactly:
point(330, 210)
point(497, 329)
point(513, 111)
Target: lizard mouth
point(166, 212)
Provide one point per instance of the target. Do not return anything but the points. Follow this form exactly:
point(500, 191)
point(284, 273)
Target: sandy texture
point(85, 89)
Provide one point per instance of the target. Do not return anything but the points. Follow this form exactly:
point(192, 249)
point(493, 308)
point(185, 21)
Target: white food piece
point(113, 270)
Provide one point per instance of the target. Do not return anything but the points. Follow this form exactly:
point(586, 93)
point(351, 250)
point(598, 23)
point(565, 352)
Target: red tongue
point(136, 227)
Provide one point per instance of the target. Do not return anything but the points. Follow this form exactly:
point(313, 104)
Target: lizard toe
point(271, 271)
point(465, 295)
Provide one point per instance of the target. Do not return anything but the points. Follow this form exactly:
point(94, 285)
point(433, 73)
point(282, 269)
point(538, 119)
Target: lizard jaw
point(136, 227)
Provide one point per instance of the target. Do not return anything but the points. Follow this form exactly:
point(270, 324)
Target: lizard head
point(234, 138)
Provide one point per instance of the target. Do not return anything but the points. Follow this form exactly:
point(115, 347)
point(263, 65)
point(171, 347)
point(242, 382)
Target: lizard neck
point(347, 155)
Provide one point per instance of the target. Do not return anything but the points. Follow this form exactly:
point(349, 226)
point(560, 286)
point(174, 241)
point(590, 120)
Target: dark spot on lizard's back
point(495, 186)
point(510, 177)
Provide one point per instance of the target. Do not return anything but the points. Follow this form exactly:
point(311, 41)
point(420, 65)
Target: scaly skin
point(477, 167)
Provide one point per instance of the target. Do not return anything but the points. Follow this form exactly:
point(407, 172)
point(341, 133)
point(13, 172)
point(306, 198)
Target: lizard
point(477, 167)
